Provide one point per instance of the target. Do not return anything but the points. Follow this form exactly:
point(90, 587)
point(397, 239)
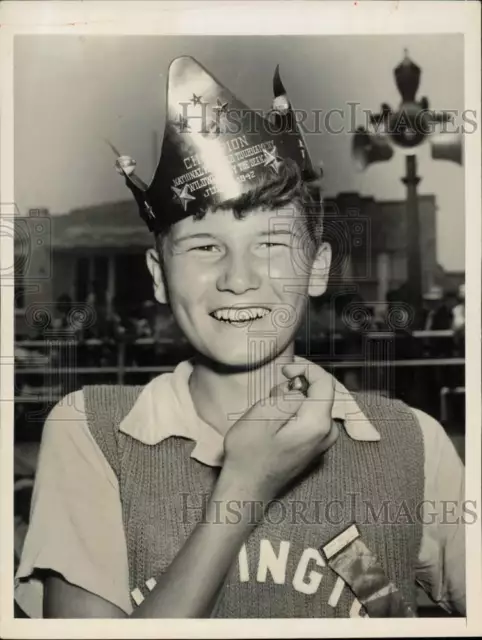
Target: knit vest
point(280, 571)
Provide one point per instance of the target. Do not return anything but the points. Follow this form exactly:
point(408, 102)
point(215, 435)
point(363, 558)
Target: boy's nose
point(238, 275)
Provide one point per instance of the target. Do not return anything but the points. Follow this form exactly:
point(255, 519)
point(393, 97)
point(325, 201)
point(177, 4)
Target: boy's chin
point(241, 359)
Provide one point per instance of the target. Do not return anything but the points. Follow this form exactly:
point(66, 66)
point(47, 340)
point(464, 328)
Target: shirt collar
point(165, 408)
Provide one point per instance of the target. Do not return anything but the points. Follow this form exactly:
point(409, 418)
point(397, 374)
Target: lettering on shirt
point(272, 564)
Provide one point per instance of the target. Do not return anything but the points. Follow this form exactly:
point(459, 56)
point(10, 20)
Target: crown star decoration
point(220, 107)
point(218, 125)
point(209, 164)
point(272, 159)
point(183, 196)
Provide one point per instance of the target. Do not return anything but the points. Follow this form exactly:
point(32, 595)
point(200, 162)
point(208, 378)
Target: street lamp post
point(414, 258)
point(406, 129)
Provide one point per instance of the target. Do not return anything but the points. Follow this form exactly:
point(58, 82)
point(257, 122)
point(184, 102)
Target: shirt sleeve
point(75, 524)
point(441, 562)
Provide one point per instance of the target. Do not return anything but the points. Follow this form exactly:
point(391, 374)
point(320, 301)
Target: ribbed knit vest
point(280, 571)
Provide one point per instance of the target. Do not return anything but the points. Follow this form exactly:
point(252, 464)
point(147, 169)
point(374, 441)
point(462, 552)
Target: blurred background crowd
point(441, 310)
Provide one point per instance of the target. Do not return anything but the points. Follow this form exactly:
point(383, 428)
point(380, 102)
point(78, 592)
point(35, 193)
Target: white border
point(243, 18)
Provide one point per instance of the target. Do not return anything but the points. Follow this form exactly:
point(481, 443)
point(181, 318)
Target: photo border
point(236, 18)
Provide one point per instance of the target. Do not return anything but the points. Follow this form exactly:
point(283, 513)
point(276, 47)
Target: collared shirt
point(76, 524)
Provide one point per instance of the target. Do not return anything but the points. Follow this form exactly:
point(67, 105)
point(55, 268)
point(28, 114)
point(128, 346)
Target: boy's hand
point(274, 442)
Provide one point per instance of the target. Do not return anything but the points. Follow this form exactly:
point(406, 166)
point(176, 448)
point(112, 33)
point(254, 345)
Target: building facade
point(374, 256)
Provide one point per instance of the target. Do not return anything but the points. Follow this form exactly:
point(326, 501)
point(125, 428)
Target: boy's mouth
point(240, 316)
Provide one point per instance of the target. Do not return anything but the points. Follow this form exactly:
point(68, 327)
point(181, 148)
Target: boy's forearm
point(189, 587)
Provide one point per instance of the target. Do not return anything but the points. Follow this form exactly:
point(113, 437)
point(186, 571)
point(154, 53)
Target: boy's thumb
point(280, 406)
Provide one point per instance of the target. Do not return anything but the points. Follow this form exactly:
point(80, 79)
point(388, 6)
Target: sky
point(71, 92)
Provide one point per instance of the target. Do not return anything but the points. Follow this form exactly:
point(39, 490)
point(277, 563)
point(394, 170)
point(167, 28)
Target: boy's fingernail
point(293, 393)
point(293, 396)
point(299, 383)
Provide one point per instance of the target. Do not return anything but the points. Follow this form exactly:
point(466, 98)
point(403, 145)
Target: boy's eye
point(274, 244)
point(205, 247)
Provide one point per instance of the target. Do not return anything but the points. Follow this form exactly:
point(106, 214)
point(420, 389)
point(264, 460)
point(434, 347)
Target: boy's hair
point(276, 192)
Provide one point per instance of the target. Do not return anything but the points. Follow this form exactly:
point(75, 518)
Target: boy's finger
point(279, 390)
point(321, 383)
point(293, 370)
point(312, 372)
point(283, 392)
point(316, 411)
point(321, 434)
point(279, 407)
point(329, 440)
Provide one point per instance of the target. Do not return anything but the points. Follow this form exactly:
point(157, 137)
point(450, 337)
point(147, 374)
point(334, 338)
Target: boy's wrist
point(243, 485)
point(238, 498)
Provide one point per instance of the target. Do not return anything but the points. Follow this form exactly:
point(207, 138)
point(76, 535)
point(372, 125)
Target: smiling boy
point(215, 490)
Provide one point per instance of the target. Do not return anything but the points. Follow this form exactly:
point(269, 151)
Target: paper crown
point(214, 148)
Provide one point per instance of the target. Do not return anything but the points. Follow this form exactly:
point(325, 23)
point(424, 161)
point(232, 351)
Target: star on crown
point(272, 159)
point(183, 196)
point(220, 107)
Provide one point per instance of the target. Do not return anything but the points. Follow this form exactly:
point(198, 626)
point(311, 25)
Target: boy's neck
point(220, 396)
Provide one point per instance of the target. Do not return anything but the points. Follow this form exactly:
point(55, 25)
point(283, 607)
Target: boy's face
point(238, 288)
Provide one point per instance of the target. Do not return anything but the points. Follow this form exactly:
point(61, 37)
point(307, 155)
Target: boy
point(220, 489)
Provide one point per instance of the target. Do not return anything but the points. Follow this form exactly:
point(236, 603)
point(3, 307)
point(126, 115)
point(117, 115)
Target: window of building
point(133, 284)
point(82, 279)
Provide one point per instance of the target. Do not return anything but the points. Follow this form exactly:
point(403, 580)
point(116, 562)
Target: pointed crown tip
point(180, 60)
point(278, 86)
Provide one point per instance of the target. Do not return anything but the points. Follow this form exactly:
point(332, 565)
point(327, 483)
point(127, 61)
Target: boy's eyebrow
point(280, 231)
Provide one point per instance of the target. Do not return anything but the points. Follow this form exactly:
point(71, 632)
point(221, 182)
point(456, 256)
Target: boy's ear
point(320, 270)
point(154, 265)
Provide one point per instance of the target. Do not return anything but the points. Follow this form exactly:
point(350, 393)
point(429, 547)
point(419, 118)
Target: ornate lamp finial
point(407, 78)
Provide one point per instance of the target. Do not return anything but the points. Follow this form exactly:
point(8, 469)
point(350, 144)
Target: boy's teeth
point(240, 315)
